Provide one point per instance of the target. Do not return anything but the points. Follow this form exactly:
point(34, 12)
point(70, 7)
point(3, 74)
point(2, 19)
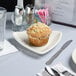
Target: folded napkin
point(59, 68)
point(8, 48)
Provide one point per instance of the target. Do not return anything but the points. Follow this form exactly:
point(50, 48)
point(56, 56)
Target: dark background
point(10, 4)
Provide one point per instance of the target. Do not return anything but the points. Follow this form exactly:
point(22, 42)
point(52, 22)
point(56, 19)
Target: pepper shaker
point(29, 14)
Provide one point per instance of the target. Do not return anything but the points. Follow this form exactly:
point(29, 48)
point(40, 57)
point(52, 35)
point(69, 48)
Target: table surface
point(27, 63)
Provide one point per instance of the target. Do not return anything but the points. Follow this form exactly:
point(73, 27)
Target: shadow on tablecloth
point(23, 49)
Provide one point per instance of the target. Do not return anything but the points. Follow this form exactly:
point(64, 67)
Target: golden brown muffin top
point(39, 30)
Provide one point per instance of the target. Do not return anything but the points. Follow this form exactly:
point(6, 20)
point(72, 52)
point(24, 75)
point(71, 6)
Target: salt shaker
point(18, 15)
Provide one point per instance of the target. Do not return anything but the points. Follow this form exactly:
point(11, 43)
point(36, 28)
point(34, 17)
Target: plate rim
point(41, 53)
point(73, 56)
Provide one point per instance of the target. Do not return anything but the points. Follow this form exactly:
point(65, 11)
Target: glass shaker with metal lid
point(29, 14)
point(17, 18)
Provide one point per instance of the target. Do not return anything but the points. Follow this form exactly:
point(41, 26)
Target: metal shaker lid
point(29, 9)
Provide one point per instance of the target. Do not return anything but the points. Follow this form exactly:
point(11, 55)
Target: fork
point(49, 71)
point(66, 73)
point(57, 73)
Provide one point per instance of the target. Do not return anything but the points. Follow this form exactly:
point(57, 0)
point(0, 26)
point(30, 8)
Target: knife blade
point(58, 52)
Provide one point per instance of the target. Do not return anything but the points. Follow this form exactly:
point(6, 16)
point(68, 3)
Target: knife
point(58, 52)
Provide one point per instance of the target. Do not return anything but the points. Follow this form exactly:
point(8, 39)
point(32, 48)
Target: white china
point(22, 38)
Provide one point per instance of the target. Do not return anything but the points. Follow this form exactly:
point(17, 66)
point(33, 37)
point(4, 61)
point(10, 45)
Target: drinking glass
point(2, 26)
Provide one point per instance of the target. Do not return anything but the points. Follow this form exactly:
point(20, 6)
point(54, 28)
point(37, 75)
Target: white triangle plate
point(22, 38)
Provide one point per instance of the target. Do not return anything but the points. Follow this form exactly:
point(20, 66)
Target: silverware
point(66, 73)
point(55, 72)
point(49, 71)
point(58, 52)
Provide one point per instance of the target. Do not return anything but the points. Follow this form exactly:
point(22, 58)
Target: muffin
point(38, 34)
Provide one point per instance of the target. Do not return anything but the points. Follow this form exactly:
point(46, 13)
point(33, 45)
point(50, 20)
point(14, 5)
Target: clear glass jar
point(42, 12)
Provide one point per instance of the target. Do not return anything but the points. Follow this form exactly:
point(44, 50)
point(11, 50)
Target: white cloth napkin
point(8, 48)
point(59, 68)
